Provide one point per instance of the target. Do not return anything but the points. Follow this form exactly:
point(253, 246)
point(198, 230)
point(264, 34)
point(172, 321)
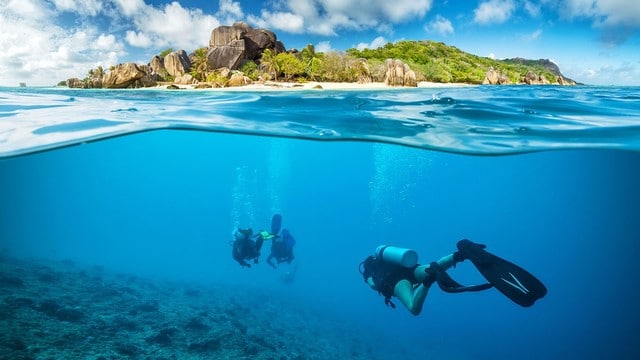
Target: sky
point(43, 42)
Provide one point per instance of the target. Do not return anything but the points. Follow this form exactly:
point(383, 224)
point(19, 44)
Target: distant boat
point(23, 84)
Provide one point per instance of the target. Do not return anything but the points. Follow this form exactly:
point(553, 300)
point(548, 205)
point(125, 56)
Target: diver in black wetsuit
point(282, 249)
point(395, 272)
point(245, 247)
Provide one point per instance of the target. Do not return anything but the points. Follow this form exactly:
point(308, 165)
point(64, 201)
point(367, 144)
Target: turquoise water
point(563, 202)
point(470, 120)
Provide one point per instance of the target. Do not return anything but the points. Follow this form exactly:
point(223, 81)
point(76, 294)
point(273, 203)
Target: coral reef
point(64, 310)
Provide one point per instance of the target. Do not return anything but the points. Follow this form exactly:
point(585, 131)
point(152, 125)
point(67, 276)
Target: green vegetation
point(289, 65)
point(199, 66)
point(250, 70)
point(268, 65)
point(217, 79)
point(165, 52)
point(438, 62)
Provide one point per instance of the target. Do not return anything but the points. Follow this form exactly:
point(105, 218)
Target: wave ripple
point(470, 120)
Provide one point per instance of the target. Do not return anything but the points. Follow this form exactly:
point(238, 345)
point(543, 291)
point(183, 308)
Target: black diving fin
point(510, 279)
point(276, 224)
point(435, 273)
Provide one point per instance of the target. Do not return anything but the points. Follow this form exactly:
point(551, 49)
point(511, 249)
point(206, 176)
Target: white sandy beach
point(313, 85)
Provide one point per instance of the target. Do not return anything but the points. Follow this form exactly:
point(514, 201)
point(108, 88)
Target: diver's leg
point(445, 263)
point(269, 258)
point(412, 300)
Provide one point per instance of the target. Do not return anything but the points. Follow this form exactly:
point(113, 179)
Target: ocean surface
point(115, 223)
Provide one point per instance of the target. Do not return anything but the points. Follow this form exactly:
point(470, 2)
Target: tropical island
point(240, 55)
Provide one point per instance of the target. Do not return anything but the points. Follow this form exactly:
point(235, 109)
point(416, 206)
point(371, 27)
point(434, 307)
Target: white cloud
point(440, 25)
point(284, 21)
point(605, 12)
point(327, 17)
point(491, 56)
point(533, 36)
point(174, 26)
point(82, 7)
point(376, 43)
point(533, 9)
point(323, 46)
point(106, 42)
point(618, 19)
point(26, 9)
point(624, 73)
point(36, 50)
point(229, 12)
point(130, 7)
point(494, 11)
point(138, 39)
point(231, 7)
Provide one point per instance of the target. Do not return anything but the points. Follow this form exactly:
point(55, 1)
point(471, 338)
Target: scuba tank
point(400, 256)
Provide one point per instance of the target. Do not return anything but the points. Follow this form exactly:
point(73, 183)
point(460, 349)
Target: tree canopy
point(439, 62)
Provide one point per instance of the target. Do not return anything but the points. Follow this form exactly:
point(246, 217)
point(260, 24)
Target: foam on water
point(471, 120)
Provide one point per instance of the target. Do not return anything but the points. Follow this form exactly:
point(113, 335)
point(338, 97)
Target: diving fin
point(276, 223)
point(510, 279)
point(446, 283)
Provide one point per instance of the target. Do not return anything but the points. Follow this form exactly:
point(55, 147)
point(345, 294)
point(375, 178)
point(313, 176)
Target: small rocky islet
point(64, 310)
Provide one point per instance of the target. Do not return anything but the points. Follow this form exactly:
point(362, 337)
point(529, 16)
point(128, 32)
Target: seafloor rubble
point(64, 310)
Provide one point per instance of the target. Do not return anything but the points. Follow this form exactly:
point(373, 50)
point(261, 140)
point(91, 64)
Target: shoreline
point(311, 85)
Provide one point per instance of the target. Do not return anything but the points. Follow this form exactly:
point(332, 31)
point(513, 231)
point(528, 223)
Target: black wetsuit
point(247, 249)
point(281, 252)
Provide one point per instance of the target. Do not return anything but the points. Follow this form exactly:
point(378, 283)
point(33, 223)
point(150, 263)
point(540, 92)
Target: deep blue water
point(163, 203)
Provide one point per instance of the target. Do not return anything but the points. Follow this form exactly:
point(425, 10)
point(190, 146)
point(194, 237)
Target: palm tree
point(199, 66)
point(99, 73)
point(268, 63)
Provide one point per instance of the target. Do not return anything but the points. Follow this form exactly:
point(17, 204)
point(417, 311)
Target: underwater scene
point(120, 211)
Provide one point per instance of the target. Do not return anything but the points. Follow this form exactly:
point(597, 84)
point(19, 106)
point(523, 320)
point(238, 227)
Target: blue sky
point(592, 41)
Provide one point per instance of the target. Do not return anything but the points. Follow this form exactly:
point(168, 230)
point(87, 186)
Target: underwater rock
point(163, 338)
point(55, 310)
point(150, 306)
point(126, 324)
point(211, 345)
point(16, 344)
point(81, 317)
point(70, 315)
point(10, 281)
point(197, 325)
point(126, 349)
point(19, 302)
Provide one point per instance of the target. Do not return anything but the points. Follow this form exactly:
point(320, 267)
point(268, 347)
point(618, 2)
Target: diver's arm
point(371, 283)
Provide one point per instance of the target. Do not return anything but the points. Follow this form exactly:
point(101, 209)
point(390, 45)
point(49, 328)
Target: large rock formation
point(399, 74)
point(230, 55)
point(564, 81)
point(75, 83)
point(157, 64)
point(129, 75)
point(231, 46)
point(177, 63)
point(90, 83)
point(493, 77)
point(531, 78)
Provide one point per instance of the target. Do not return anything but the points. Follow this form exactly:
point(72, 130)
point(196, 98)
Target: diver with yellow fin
point(395, 271)
point(246, 246)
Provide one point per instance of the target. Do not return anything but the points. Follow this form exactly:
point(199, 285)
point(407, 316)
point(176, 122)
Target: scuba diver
point(281, 245)
point(246, 246)
point(395, 272)
point(282, 249)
